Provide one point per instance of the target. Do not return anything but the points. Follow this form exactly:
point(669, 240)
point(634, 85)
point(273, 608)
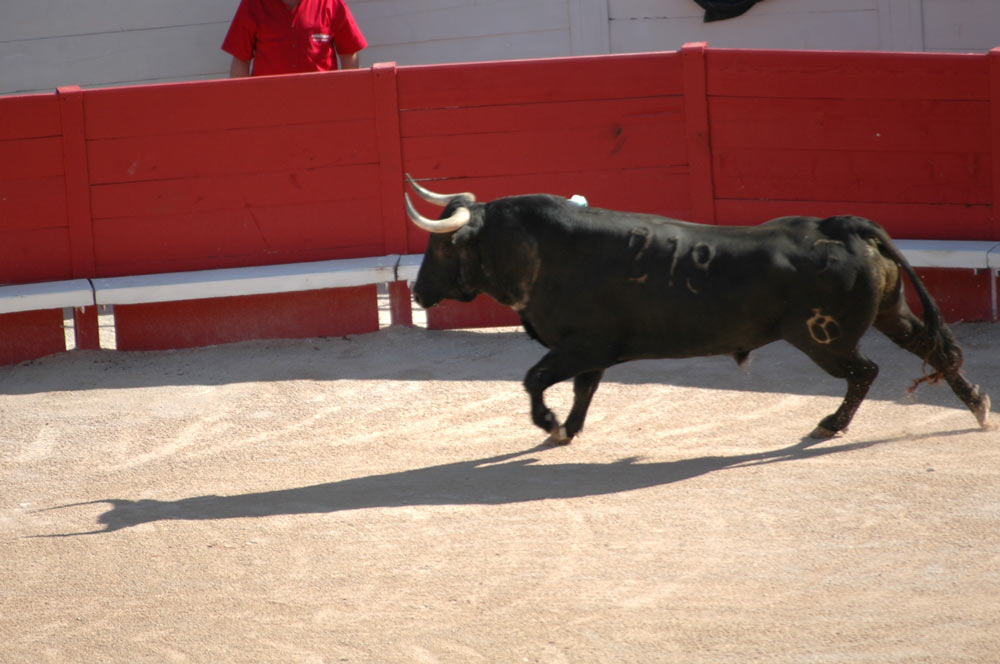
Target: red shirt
point(280, 40)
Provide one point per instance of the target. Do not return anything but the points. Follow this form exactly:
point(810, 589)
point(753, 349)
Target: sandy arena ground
point(383, 498)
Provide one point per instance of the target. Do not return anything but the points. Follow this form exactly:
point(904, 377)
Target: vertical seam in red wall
point(390, 156)
point(76, 173)
point(994, 70)
point(77, 179)
point(390, 148)
point(698, 132)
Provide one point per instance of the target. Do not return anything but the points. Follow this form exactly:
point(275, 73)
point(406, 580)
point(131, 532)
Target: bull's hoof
point(982, 413)
point(822, 433)
point(558, 436)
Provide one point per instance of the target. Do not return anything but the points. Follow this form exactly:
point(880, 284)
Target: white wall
point(47, 43)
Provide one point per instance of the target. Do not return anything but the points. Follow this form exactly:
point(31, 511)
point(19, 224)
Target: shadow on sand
point(504, 479)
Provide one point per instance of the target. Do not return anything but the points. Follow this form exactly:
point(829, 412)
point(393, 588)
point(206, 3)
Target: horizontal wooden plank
point(46, 295)
point(34, 255)
point(200, 106)
point(31, 334)
point(238, 191)
point(236, 238)
point(484, 311)
point(191, 323)
point(29, 116)
point(902, 177)
point(956, 254)
point(854, 75)
point(240, 281)
point(34, 203)
point(541, 116)
point(31, 158)
point(850, 124)
point(961, 295)
point(537, 81)
point(942, 222)
point(633, 144)
point(266, 149)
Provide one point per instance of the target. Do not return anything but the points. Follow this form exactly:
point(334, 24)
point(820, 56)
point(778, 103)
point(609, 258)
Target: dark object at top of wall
point(716, 10)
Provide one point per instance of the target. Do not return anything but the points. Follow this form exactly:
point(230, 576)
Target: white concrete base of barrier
point(292, 277)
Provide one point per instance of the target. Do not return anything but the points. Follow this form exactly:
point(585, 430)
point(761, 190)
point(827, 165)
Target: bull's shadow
point(504, 479)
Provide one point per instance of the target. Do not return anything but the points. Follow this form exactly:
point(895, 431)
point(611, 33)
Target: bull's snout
point(422, 298)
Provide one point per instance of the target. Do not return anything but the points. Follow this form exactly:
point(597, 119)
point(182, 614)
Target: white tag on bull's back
point(578, 200)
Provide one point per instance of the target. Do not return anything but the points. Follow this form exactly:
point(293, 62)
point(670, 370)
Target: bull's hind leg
point(940, 351)
point(584, 386)
point(857, 370)
point(554, 368)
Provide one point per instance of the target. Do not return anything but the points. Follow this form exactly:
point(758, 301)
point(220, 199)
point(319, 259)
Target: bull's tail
point(939, 346)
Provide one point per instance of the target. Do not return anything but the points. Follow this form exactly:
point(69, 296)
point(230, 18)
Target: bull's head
point(450, 266)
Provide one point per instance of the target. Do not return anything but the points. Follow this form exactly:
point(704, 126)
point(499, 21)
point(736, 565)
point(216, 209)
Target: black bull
point(599, 287)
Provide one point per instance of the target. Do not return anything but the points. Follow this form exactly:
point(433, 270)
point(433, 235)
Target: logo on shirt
point(321, 37)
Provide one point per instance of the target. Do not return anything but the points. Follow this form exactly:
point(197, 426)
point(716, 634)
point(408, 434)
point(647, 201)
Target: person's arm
point(239, 68)
point(349, 60)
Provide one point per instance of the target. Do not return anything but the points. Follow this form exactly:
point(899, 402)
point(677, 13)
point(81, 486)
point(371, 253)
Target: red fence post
point(994, 59)
point(81, 230)
point(698, 131)
point(391, 185)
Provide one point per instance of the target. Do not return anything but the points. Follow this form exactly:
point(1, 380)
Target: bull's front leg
point(553, 368)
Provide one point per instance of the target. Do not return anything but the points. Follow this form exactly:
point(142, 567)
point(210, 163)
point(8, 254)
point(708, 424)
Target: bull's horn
point(453, 223)
point(436, 199)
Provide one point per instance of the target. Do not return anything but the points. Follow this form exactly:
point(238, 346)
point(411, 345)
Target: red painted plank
point(86, 328)
point(540, 116)
point(35, 255)
point(960, 294)
point(269, 149)
point(30, 204)
point(697, 133)
point(484, 311)
point(223, 105)
point(28, 335)
point(237, 191)
point(837, 75)
point(850, 124)
point(230, 238)
point(23, 159)
point(914, 177)
point(911, 221)
point(531, 81)
point(633, 144)
point(192, 323)
point(400, 303)
point(28, 116)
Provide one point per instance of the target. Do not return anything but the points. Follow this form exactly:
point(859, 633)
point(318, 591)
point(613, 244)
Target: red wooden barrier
point(191, 323)
point(34, 233)
point(212, 174)
point(231, 174)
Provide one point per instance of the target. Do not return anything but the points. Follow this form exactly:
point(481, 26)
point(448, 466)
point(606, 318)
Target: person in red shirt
point(291, 36)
